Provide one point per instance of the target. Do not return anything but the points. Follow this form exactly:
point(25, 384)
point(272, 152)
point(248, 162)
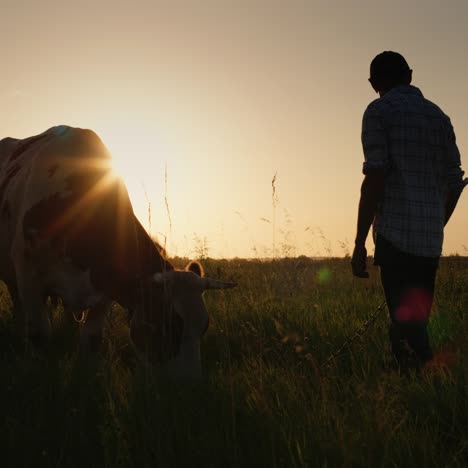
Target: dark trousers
point(408, 283)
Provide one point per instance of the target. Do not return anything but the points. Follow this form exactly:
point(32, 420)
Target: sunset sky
point(226, 94)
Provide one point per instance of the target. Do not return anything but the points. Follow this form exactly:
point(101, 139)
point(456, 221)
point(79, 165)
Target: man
point(412, 183)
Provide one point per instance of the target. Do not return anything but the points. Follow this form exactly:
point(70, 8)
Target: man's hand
point(358, 262)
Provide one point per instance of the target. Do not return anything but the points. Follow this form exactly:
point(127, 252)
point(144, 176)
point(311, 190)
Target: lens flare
point(415, 306)
point(324, 275)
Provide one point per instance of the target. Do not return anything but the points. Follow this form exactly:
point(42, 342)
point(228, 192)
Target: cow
point(68, 230)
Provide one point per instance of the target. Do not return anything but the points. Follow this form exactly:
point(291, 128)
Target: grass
point(264, 400)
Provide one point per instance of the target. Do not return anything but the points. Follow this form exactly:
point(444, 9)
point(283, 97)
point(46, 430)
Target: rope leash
point(359, 332)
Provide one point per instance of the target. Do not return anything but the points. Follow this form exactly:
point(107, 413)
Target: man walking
point(413, 180)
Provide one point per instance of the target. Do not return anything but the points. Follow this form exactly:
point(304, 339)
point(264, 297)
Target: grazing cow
point(67, 229)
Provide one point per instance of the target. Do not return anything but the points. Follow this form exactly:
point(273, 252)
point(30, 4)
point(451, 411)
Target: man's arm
point(450, 204)
point(456, 183)
point(372, 191)
point(374, 144)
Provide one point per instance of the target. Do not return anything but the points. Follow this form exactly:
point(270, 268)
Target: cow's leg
point(19, 319)
point(92, 331)
point(30, 307)
point(20, 322)
point(34, 318)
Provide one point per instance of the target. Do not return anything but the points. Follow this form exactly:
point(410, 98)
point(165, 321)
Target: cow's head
point(176, 318)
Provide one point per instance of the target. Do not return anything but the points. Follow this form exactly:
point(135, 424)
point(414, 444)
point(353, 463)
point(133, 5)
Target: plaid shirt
point(413, 141)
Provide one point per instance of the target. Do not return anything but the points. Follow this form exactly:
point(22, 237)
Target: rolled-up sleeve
point(374, 141)
point(455, 173)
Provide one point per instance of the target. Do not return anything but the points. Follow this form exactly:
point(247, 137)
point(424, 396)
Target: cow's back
point(53, 188)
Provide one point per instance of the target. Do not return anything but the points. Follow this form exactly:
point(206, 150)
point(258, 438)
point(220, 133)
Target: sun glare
point(138, 159)
point(133, 152)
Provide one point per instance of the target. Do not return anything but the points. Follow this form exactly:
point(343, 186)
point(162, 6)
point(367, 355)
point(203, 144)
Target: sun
point(132, 151)
point(138, 158)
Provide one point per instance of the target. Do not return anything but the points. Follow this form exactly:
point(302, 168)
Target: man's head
point(388, 70)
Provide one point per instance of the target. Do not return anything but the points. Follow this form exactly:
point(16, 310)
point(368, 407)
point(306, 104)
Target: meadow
point(265, 400)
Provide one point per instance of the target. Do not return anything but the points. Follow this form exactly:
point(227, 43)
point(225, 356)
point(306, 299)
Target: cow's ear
point(196, 268)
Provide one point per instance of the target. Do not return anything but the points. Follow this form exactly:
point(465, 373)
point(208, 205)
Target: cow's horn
point(210, 283)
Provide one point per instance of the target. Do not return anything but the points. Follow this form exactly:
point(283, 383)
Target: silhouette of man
point(412, 183)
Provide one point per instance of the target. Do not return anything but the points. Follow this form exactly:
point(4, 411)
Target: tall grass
point(264, 399)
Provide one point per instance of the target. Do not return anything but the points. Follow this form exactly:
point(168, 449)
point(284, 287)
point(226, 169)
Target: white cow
point(67, 229)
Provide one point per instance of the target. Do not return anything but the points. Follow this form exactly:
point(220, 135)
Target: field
point(265, 399)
